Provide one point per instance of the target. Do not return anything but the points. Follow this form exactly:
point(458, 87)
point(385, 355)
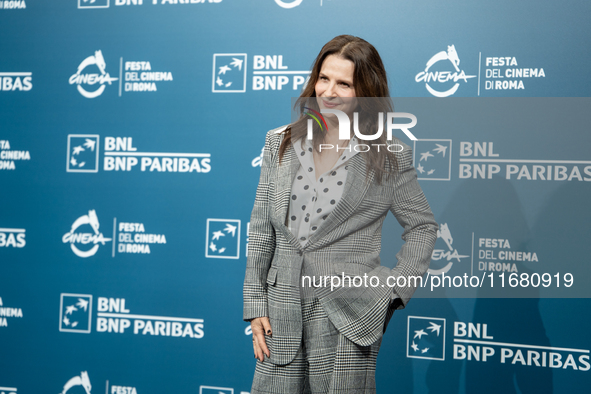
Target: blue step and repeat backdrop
point(130, 148)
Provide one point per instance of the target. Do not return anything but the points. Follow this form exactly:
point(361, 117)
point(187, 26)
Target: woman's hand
point(260, 327)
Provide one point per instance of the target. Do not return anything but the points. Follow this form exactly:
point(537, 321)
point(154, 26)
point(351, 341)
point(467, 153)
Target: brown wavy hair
point(369, 81)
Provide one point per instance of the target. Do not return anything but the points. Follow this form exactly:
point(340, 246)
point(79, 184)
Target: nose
point(331, 90)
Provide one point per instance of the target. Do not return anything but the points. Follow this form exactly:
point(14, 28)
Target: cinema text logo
point(449, 255)
point(12, 237)
point(495, 254)
point(257, 161)
point(113, 316)
point(8, 156)
point(132, 238)
point(12, 81)
point(478, 160)
point(8, 312)
point(121, 389)
point(128, 237)
point(436, 80)
point(85, 80)
point(134, 76)
point(121, 155)
point(269, 73)
point(139, 76)
point(82, 380)
point(13, 5)
point(503, 73)
point(288, 4)
point(83, 239)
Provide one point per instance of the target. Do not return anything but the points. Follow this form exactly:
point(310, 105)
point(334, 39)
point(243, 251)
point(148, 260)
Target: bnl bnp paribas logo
point(269, 73)
point(83, 153)
point(93, 3)
point(442, 74)
point(75, 313)
point(113, 316)
point(222, 240)
point(83, 4)
point(120, 154)
point(425, 338)
point(218, 390)
point(477, 342)
point(432, 159)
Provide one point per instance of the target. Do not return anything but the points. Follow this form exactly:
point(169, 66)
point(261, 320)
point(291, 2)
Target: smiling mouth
point(330, 104)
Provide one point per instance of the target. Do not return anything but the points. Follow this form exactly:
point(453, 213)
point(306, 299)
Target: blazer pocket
point(272, 276)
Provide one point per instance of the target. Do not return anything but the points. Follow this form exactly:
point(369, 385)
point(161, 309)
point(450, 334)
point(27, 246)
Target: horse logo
point(72, 237)
point(439, 254)
point(81, 380)
point(427, 76)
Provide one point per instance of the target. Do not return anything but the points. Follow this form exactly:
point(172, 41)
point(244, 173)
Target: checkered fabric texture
point(347, 242)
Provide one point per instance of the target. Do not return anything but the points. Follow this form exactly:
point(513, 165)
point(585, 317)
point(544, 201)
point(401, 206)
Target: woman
point(318, 213)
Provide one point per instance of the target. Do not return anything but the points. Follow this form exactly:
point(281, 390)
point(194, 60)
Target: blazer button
point(300, 252)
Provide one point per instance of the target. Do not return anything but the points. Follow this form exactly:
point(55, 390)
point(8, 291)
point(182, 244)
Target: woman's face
point(334, 88)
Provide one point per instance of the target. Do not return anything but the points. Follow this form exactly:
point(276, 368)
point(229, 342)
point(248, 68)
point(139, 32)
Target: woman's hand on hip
point(260, 327)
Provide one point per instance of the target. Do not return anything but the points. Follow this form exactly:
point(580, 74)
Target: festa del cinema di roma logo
point(82, 380)
point(95, 238)
point(288, 4)
point(432, 77)
point(85, 79)
point(81, 384)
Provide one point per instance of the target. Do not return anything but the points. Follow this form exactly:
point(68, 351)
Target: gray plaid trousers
point(326, 362)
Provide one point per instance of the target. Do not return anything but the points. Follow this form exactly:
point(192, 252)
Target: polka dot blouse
point(313, 200)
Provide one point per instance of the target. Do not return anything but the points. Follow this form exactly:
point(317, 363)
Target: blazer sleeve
point(411, 209)
point(261, 243)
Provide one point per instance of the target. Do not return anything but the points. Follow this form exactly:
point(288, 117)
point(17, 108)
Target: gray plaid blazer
point(348, 242)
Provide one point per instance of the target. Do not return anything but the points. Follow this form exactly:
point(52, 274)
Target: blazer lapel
point(286, 171)
point(356, 186)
